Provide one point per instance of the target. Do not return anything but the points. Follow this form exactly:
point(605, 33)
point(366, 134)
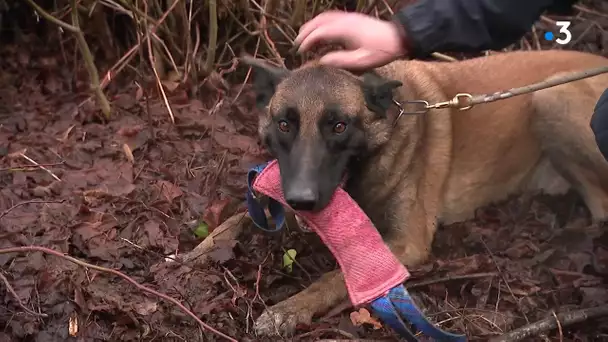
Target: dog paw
point(282, 318)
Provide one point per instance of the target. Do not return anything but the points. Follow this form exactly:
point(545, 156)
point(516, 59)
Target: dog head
point(317, 121)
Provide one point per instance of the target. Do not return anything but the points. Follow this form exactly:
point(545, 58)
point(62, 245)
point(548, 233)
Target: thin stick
point(504, 279)
point(40, 166)
point(590, 11)
point(24, 203)
point(212, 45)
point(119, 274)
point(228, 230)
point(126, 58)
point(19, 167)
point(452, 278)
point(84, 50)
point(550, 323)
point(559, 327)
point(10, 289)
point(158, 82)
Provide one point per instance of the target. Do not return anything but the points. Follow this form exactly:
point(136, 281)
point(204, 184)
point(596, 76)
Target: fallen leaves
point(95, 236)
point(216, 213)
point(363, 316)
point(111, 181)
point(168, 190)
point(223, 250)
point(156, 237)
point(237, 143)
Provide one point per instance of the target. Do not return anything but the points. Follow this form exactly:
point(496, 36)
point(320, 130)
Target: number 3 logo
point(563, 28)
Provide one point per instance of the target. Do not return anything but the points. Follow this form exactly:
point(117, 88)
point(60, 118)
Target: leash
point(393, 308)
point(465, 101)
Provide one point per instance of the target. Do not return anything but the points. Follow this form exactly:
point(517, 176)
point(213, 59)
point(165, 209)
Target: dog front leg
point(411, 235)
point(409, 238)
point(321, 296)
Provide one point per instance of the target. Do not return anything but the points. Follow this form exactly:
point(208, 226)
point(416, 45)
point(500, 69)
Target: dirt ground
point(127, 193)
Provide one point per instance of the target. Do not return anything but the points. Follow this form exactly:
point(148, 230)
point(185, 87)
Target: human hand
point(370, 42)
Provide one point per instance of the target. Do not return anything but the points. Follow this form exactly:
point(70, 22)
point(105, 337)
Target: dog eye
point(339, 128)
point(283, 126)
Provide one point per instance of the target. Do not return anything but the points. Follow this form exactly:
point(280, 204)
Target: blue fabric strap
point(386, 312)
point(256, 211)
point(398, 303)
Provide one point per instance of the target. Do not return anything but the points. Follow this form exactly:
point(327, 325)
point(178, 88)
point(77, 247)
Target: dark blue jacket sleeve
point(599, 123)
point(470, 25)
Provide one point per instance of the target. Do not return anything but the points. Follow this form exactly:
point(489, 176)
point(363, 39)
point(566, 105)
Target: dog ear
point(378, 92)
point(266, 77)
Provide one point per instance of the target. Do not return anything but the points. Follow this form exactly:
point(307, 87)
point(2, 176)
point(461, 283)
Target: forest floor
point(127, 193)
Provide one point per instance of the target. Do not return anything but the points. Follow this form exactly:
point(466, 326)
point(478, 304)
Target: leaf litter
point(135, 192)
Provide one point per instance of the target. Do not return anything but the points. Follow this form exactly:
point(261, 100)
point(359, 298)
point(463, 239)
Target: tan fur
point(441, 166)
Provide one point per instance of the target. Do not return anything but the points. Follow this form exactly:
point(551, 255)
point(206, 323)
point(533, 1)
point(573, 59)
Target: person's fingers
point(315, 22)
point(354, 59)
point(359, 59)
point(328, 33)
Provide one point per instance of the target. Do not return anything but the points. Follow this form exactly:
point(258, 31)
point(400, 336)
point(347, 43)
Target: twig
point(264, 28)
point(190, 53)
point(582, 34)
point(24, 203)
point(255, 52)
point(452, 278)
point(124, 60)
point(10, 289)
point(40, 166)
point(84, 50)
point(443, 57)
point(212, 46)
point(228, 230)
point(328, 330)
point(536, 40)
point(158, 82)
point(589, 11)
point(18, 167)
point(504, 279)
point(559, 327)
point(119, 274)
point(550, 323)
point(52, 19)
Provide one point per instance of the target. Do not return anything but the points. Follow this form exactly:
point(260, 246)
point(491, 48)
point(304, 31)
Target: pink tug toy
point(371, 271)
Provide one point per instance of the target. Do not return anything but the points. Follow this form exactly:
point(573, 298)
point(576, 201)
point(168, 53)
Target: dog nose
point(301, 198)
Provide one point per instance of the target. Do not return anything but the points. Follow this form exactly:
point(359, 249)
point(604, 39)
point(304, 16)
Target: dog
point(410, 173)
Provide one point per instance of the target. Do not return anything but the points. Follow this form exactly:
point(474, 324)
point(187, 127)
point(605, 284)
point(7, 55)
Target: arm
point(469, 25)
point(599, 123)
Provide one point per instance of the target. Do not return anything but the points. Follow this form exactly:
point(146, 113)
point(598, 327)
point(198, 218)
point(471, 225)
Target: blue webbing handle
point(398, 303)
point(384, 309)
point(256, 211)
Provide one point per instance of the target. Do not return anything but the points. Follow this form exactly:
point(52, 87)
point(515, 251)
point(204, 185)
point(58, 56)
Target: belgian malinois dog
point(413, 173)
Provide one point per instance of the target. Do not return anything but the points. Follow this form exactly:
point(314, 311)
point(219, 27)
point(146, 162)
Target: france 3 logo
point(564, 35)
